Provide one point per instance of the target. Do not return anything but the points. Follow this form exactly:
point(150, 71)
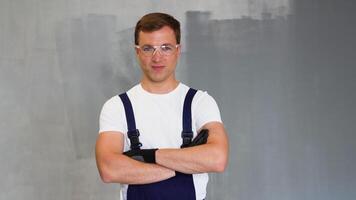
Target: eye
point(167, 48)
point(147, 48)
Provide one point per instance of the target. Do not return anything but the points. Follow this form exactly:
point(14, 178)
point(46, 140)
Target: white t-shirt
point(159, 119)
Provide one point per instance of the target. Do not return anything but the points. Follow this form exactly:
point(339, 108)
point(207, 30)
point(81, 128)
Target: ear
point(137, 51)
point(179, 49)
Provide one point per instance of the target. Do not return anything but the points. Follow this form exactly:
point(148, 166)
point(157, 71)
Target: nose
point(157, 55)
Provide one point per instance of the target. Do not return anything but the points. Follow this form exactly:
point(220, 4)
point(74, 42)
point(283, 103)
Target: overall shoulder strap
point(132, 131)
point(187, 133)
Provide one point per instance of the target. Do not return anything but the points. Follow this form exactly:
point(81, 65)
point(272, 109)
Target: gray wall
point(283, 73)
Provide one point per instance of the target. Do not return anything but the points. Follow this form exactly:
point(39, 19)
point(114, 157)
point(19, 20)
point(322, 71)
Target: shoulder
point(134, 90)
point(200, 96)
point(199, 93)
point(203, 101)
point(111, 109)
point(205, 109)
point(115, 102)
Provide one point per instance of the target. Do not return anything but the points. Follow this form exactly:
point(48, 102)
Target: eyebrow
point(157, 45)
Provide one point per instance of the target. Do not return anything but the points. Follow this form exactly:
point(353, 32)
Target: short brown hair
point(155, 21)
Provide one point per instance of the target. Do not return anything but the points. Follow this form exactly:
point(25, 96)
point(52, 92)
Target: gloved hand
point(143, 155)
point(201, 138)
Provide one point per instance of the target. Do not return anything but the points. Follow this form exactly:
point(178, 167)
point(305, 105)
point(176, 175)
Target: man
point(140, 143)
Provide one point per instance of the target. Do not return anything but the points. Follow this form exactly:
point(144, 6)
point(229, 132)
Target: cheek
point(173, 60)
point(144, 61)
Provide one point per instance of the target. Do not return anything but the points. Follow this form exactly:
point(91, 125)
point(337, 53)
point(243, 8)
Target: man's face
point(158, 68)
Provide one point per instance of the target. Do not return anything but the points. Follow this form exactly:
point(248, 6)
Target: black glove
point(143, 155)
point(201, 138)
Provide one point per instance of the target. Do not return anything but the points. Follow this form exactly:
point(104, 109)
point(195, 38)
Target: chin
point(158, 79)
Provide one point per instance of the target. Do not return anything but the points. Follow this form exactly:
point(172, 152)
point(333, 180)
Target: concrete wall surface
point(282, 71)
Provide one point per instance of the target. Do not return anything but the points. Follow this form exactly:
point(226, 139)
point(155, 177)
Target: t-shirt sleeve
point(205, 110)
point(112, 116)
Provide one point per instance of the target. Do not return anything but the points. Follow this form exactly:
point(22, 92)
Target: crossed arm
point(113, 166)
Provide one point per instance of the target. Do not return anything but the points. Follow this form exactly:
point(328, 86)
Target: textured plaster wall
point(282, 73)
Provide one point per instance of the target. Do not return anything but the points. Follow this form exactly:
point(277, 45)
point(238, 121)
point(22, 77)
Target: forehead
point(165, 35)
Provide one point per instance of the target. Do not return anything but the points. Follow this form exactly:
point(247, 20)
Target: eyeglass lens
point(165, 49)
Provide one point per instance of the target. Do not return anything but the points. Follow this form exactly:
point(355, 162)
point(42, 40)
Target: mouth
point(157, 67)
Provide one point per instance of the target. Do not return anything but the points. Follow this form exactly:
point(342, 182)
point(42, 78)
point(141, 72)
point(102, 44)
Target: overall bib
point(179, 187)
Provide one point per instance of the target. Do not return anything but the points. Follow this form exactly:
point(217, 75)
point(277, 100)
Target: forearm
point(198, 159)
point(118, 168)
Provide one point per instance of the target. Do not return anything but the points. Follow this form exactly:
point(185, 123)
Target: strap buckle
point(187, 138)
point(134, 139)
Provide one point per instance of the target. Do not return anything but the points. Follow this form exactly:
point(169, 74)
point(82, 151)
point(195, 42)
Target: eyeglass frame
point(157, 47)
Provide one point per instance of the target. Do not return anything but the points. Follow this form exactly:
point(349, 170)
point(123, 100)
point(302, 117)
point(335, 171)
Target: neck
point(159, 88)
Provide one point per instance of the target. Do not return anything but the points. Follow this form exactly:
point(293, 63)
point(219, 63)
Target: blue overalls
point(179, 187)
